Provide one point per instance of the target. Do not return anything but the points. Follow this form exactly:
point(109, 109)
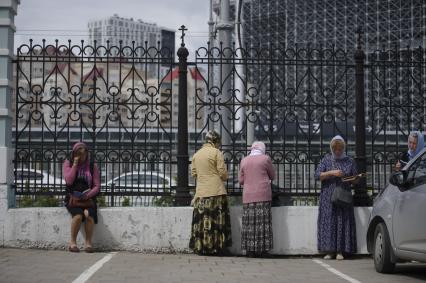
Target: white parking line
point(337, 272)
point(91, 270)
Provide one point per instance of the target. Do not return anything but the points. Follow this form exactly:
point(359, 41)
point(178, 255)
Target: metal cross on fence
point(183, 29)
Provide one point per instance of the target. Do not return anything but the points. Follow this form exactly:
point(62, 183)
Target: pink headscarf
point(83, 170)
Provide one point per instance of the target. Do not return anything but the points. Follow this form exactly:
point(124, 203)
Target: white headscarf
point(338, 137)
point(257, 148)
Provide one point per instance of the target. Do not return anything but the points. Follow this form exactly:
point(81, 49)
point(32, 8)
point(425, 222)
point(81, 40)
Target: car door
point(409, 215)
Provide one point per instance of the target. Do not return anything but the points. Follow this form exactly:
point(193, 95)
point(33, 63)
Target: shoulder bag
point(341, 197)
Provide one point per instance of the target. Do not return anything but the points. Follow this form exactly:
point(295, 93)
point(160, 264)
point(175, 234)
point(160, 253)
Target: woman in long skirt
point(336, 224)
point(211, 224)
point(256, 174)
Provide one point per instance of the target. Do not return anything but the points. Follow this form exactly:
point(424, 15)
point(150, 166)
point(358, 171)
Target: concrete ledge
point(161, 229)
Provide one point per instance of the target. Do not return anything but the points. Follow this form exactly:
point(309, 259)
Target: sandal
point(89, 250)
point(74, 249)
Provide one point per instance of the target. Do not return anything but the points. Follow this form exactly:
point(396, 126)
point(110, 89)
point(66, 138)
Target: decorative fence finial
point(183, 29)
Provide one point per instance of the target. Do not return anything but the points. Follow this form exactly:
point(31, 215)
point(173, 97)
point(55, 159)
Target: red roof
point(174, 74)
point(196, 75)
point(62, 66)
point(94, 73)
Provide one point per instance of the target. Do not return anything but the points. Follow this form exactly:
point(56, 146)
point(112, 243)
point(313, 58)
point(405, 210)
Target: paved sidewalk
point(19, 265)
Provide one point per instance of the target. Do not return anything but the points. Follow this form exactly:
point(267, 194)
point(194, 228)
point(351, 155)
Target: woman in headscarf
point(256, 174)
point(211, 224)
point(415, 144)
point(83, 183)
point(336, 224)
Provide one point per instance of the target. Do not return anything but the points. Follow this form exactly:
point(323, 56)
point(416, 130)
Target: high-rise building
point(115, 28)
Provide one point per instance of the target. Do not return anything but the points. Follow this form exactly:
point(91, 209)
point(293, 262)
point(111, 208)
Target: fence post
point(361, 197)
point(183, 198)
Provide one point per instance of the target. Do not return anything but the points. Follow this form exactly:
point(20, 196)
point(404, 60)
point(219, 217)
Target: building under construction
point(395, 25)
point(386, 23)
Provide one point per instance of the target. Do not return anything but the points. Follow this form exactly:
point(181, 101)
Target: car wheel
point(382, 250)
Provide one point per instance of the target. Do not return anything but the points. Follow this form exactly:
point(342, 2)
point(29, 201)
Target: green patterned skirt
point(211, 226)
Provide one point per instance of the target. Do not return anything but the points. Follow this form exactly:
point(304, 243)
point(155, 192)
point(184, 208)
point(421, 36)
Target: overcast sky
point(65, 19)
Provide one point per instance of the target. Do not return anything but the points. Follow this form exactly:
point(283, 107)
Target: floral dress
point(336, 225)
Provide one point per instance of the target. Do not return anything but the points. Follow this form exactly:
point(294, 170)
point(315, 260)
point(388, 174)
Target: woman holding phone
point(415, 145)
point(82, 178)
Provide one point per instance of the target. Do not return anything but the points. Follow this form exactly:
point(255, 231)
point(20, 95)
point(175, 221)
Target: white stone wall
point(161, 229)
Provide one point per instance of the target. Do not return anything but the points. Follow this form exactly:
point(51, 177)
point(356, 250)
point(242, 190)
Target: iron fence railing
point(143, 114)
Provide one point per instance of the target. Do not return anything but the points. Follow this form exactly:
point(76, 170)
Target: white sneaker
point(340, 257)
point(329, 256)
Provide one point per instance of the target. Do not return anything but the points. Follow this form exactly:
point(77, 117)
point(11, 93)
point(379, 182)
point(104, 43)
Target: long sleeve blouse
point(70, 173)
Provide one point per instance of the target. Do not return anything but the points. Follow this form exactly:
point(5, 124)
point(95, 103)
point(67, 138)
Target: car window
point(148, 180)
point(417, 172)
point(124, 180)
point(29, 175)
point(135, 179)
point(20, 175)
point(154, 181)
point(143, 180)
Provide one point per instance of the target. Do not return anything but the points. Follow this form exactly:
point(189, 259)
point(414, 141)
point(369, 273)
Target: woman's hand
point(76, 160)
point(331, 173)
point(336, 173)
point(84, 196)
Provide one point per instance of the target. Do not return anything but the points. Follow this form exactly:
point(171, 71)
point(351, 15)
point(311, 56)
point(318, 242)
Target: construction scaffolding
point(300, 25)
point(386, 23)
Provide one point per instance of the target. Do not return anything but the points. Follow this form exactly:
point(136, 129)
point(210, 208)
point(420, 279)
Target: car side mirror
point(399, 180)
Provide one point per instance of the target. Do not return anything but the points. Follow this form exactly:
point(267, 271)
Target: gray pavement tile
point(47, 266)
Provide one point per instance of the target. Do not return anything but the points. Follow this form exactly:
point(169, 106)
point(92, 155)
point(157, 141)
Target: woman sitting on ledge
point(82, 178)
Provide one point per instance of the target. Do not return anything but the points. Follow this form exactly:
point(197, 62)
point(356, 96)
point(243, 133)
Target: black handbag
point(276, 201)
point(340, 196)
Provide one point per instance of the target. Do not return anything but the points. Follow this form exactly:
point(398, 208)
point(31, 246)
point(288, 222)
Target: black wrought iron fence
point(143, 114)
point(396, 105)
point(117, 99)
point(294, 99)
